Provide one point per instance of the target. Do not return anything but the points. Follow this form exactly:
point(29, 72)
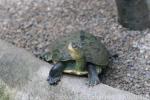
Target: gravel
point(33, 24)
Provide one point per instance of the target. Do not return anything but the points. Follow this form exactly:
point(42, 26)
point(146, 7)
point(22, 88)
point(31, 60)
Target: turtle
point(79, 53)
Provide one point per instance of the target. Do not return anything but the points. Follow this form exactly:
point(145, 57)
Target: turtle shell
point(94, 51)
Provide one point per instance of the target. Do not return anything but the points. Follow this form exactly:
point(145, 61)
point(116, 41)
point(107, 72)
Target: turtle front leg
point(55, 73)
point(92, 75)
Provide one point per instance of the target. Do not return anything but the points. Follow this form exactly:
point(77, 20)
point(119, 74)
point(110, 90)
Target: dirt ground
point(33, 24)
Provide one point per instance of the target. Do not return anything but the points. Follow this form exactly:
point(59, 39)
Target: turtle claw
point(93, 81)
point(53, 81)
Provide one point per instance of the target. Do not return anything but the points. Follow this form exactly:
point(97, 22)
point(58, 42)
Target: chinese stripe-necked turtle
point(78, 53)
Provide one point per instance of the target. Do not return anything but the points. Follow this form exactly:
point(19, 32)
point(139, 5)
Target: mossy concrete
point(25, 76)
point(5, 92)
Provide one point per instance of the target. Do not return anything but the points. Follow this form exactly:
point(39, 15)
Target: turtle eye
point(74, 45)
point(80, 45)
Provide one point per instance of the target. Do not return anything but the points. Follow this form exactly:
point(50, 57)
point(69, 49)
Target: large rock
point(23, 77)
point(134, 14)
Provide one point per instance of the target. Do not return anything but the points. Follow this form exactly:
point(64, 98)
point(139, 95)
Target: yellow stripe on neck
point(75, 54)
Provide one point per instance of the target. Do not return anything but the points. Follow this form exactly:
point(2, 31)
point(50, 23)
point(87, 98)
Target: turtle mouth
point(74, 51)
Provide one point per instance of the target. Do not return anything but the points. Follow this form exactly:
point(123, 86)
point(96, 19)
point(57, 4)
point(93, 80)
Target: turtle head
point(75, 50)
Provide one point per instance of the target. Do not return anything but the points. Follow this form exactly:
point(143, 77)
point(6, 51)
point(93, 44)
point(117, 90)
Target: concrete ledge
point(25, 77)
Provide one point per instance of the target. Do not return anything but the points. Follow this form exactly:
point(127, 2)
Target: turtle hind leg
point(92, 75)
point(55, 73)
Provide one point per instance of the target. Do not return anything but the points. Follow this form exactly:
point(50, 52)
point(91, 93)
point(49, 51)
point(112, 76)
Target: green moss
point(3, 94)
